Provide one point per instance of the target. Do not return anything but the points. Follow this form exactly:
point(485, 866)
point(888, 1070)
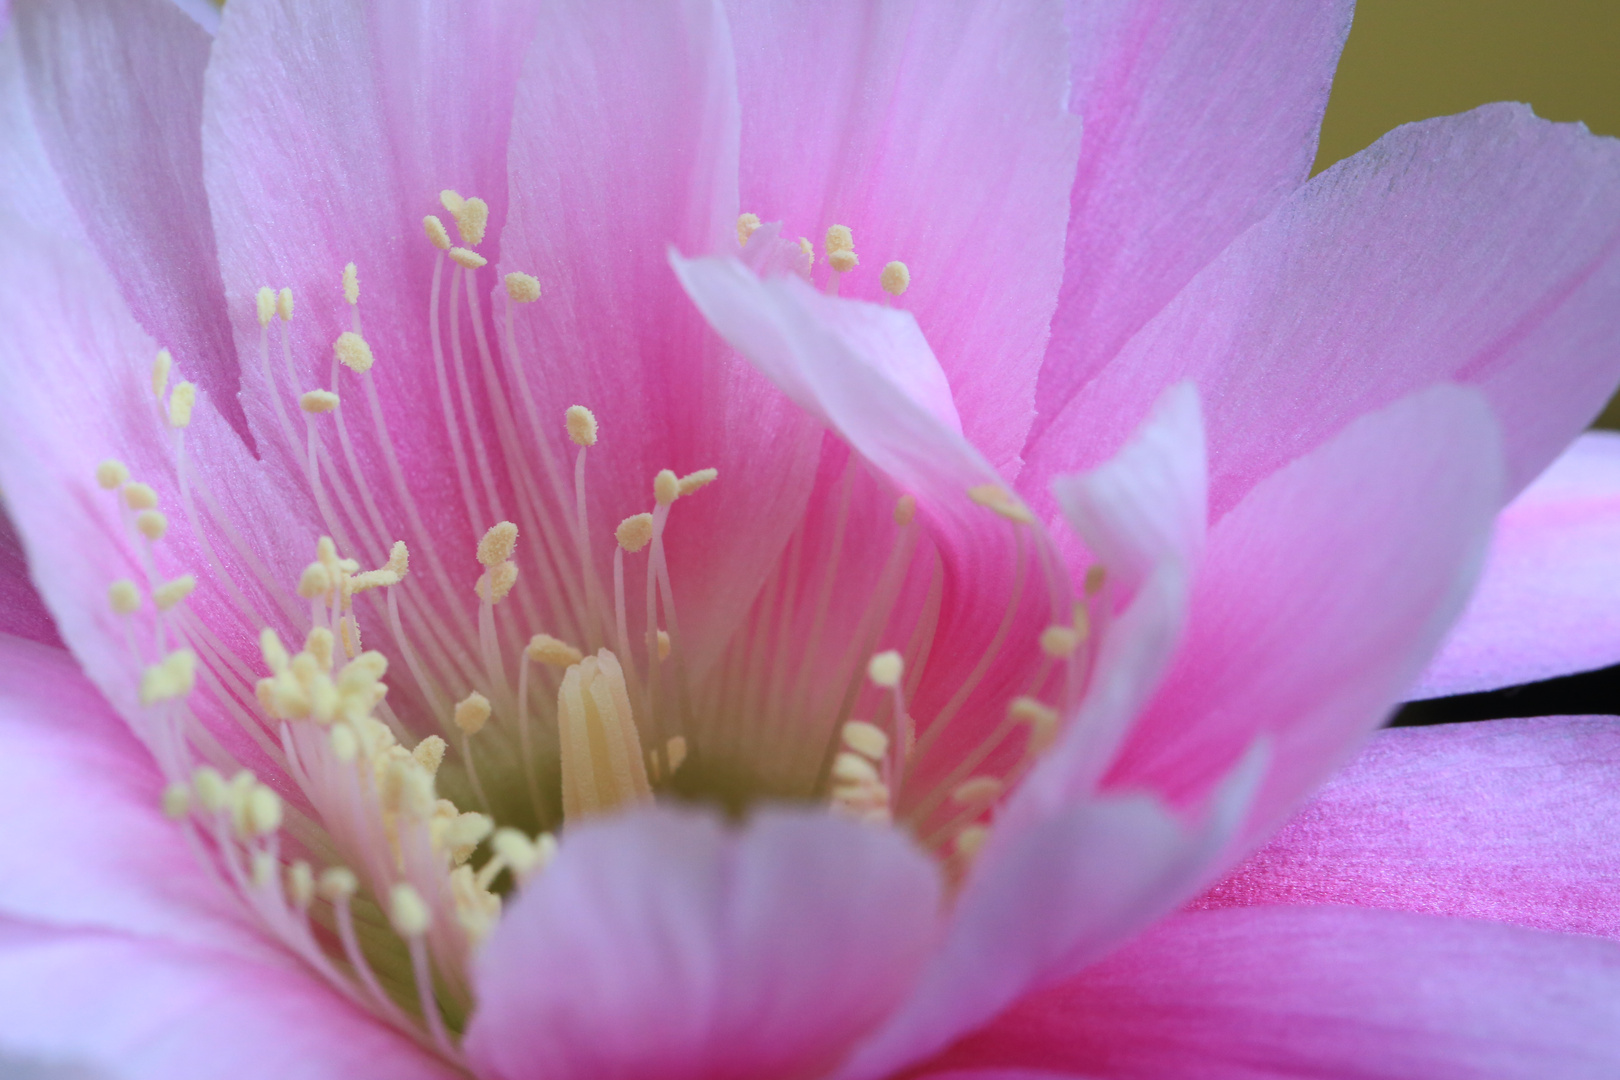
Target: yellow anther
point(318, 401)
point(176, 801)
point(314, 582)
point(123, 597)
point(273, 651)
point(169, 678)
point(905, 510)
point(262, 813)
point(1041, 718)
point(843, 261)
point(1060, 642)
point(472, 713)
point(694, 482)
point(472, 218)
point(467, 258)
point(895, 279)
point(885, 669)
point(300, 884)
point(839, 238)
point(663, 645)
point(545, 649)
point(436, 233)
point(266, 300)
point(634, 532)
point(498, 544)
point(399, 560)
point(1082, 621)
point(363, 670)
point(581, 425)
point(666, 487)
point(970, 841)
point(520, 854)
point(429, 753)
point(451, 200)
point(112, 473)
point(523, 288)
point(321, 644)
point(353, 352)
point(181, 402)
point(160, 372)
point(602, 763)
point(851, 768)
point(284, 304)
point(464, 832)
point(338, 883)
point(138, 496)
point(866, 739)
point(407, 911)
point(747, 224)
point(170, 593)
point(345, 743)
point(977, 791)
point(809, 250)
point(326, 552)
point(371, 579)
point(351, 284)
point(1096, 578)
point(496, 582)
point(675, 750)
point(263, 871)
point(999, 499)
point(151, 524)
point(210, 789)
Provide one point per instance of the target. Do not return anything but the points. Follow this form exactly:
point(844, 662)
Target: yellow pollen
point(169, 678)
point(1096, 578)
point(1060, 642)
point(581, 425)
point(977, 791)
point(602, 765)
point(436, 234)
point(284, 304)
point(839, 238)
point(885, 669)
point(472, 218)
point(496, 582)
point(151, 524)
point(666, 487)
point(301, 883)
point(315, 581)
point(663, 645)
point(523, 288)
point(809, 250)
point(320, 644)
point(318, 401)
point(262, 812)
point(522, 855)
point(866, 739)
point(451, 200)
point(371, 579)
point(399, 559)
point(170, 593)
point(273, 651)
point(999, 499)
point(1042, 720)
point(338, 883)
point(545, 649)
point(139, 496)
point(181, 403)
point(345, 744)
point(351, 284)
point(429, 753)
point(675, 749)
point(895, 279)
point(498, 543)
point(694, 482)
point(851, 768)
point(111, 474)
point(634, 532)
point(160, 372)
point(123, 597)
point(353, 352)
point(842, 261)
point(210, 789)
point(176, 801)
point(905, 510)
point(747, 224)
point(971, 840)
point(467, 258)
point(266, 300)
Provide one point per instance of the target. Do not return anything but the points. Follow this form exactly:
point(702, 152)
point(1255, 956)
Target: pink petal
point(149, 1010)
point(1482, 248)
point(84, 841)
point(22, 612)
point(1514, 820)
point(1324, 992)
point(1197, 124)
point(625, 142)
point(116, 88)
point(1546, 602)
point(938, 134)
point(1320, 597)
point(667, 945)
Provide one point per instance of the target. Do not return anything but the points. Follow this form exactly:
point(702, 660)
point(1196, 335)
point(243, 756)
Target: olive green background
point(1411, 59)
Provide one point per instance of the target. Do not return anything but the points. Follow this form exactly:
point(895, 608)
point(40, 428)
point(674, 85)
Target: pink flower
point(545, 618)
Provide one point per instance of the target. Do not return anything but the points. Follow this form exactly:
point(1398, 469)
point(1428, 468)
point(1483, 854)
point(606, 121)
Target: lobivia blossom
point(736, 540)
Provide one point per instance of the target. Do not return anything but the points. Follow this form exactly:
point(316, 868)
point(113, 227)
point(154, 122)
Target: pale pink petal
point(22, 612)
point(1514, 820)
point(1320, 597)
point(205, 13)
point(1548, 603)
point(624, 143)
point(938, 134)
point(667, 945)
point(116, 87)
point(1482, 249)
point(1198, 121)
point(1266, 993)
point(151, 1010)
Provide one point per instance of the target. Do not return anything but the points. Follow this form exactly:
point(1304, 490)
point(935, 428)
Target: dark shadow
point(1591, 692)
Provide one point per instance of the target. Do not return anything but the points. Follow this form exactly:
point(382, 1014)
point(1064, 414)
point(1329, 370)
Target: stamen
point(436, 234)
point(978, 791)
point(284, 303)
point(472, 218)
point(172, 677)
point(1042, 720)
point(840, 247)
point(693, 482)
point(747, 225)
point(170, 593)
point(1060, 642)
point(523, 288)
point(495, 583)
point(895, 279)
point(634, 532)
point(581, 424)
point(176, 801)
point(666, 487)
point(138, 496)
point(353, 352)
point(866, 739)
point(602, 764)
point(351, 284)
point(317, 401)
point(266, 301)
point(152, 524)
point(160, 372)
point(123, 597)
point(809, 251)
point(112, 474)
point(467, 259)
point(181, 402)
point(498, 544)
point(999, 499)
point(545, 649)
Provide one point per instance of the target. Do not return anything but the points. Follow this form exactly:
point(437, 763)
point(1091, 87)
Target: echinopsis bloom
point(638, 545)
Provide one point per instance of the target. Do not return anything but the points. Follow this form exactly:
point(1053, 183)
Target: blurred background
point(1411, 59)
